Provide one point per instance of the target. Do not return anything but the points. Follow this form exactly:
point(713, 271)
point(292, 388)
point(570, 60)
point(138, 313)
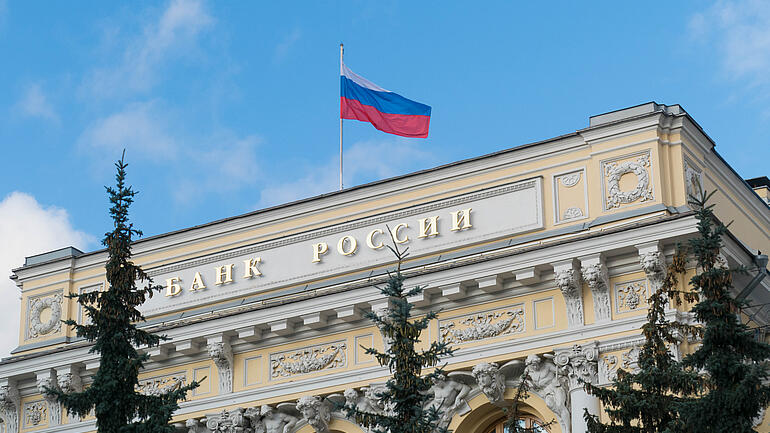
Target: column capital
point(579, 363)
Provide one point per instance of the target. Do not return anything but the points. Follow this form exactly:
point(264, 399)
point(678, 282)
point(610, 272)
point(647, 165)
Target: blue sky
point(227, 107)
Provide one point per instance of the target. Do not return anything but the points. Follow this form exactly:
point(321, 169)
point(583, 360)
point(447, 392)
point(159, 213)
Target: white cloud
point(740, 31)
point(283, 47)
point(28, 228)
point(139, 128)
point(34, 103)
point(364, 161)
point(174, 33)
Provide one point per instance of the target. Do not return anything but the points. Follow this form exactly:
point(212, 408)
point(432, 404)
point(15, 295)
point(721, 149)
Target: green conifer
point(406, 396)
point(113, 314)
point(733, 363)
point(648, 400)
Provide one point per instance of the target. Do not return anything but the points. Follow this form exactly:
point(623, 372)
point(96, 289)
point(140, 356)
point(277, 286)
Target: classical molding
point(222, 355)
point(613, 170)
point(567, 279)
point(47, 380)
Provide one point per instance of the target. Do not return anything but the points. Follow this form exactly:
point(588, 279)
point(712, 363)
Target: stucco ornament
point(70, 382)
point(654, 267)
point(280, 419)
point(595, 276)
point(545, 379)
point(642, 191)
point(308, 360)
point(9, 407)
point(579, 364)
point(54, 408)
point(483, 325)
point(449, 394)
point(631, 295)
point(35, 413)
point(572, 213)
point(194, 426)
point(567, 281)
point(491, 378)
point(232, 421)
point(52, 325)
point(316, 411)
point(571, 179)
point(161, 385)
point(361, 401)
point(222, 355)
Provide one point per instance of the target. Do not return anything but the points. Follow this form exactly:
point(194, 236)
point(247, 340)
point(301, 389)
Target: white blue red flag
point(360, 99)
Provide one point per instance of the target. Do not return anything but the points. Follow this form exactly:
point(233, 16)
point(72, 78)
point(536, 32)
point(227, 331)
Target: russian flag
point(360, 99)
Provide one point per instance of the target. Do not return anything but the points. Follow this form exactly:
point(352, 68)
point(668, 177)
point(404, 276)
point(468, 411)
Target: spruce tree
point(113, 314)
point(648, 401)
point(514, 413)
point(406, 396)
point(732, 361)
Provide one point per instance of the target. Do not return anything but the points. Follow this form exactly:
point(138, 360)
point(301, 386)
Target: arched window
point(526, 421)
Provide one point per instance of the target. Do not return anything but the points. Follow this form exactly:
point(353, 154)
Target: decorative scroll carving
point(222, 355)
point(307, 360)
point(570, 179)
point(579, 363)
point(545, 380)
point(630, 360)
point(630, 296)
point(39, 326)
point(54, 408)
point(572, 213)
point(567, 280)
point(9, 407)
point(654, 267)
point(643, 189)
point(194, 426)
point(232, 421)
point(161, 385)
point(595, 276)
point(608, 368)
point(479, 326)
point(449, 398)
point(316, 411)
point(35, 413)
point(70, 382)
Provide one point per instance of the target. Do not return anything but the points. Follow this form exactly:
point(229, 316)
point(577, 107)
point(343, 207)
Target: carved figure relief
point(479, 326)
point(596, 277)
point(693, 180)
point(654, 267)
point(491, 378)
point(70, 382)
point(547, 381)
point(567, 280)
point(316, 411)
point(631, 296)
point(44, 315)
point(449, 396)
point(613, 171)
point(307, 360)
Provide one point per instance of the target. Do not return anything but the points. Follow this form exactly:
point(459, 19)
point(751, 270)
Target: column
point(579, 363)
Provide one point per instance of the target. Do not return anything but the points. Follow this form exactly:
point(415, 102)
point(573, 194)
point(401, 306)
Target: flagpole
point(340, 125)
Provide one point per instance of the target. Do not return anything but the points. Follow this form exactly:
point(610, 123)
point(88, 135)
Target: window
point(526, 421)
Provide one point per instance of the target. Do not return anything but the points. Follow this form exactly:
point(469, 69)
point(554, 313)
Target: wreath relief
point(36, 307)
point(643, 190)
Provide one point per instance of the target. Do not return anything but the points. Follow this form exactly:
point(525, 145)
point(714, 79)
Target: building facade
point(539, 257)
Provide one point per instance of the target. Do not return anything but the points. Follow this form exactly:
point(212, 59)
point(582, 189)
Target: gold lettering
point(197, 283)
point(429, 224)
point(350, 241)
point(395, 231)
point(225, 271)
point(318, 249)
point(461, 219)
point(370, 240)
point(250, 267)
point(172, 288)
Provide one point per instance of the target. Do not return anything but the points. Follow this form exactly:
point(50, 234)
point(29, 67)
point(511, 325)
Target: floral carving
point(37, 306)
point(161, 385)
point(643, 189)
point(571, 179)
point(567, 280)
point(308, 360)
point(479, 326)
point(631, 296)
point(572, 213)
point(35, 413)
